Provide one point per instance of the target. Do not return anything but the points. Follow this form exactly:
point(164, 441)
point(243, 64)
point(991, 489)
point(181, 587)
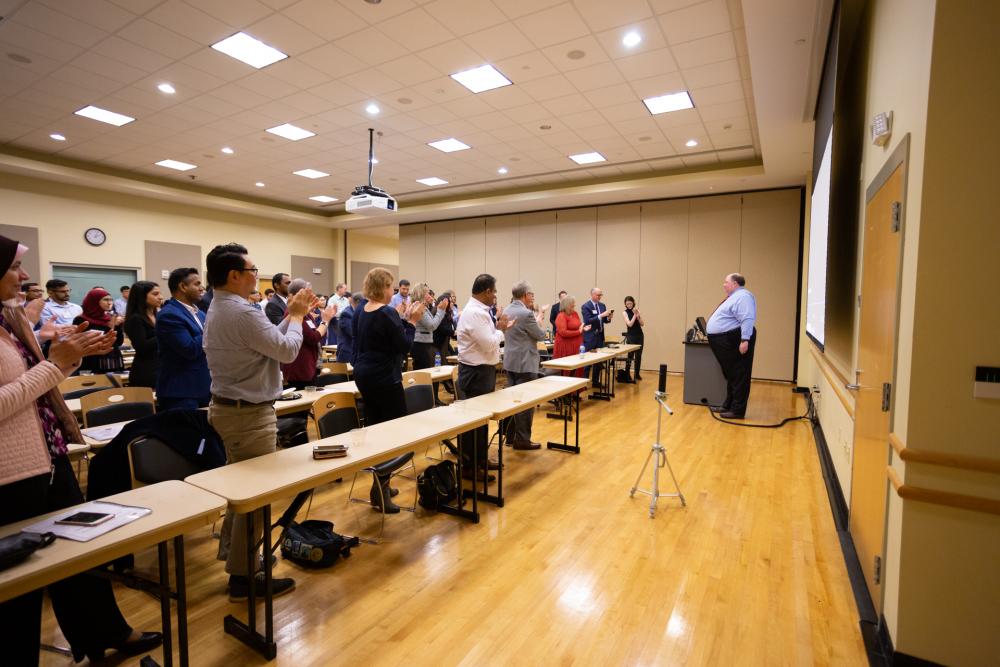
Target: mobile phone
point(329, 453)
point(85, 519)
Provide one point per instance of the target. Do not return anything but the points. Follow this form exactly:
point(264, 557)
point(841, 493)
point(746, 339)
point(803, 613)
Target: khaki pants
point(246, 432)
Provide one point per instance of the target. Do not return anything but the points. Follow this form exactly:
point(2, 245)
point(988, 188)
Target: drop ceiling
point(576, 88)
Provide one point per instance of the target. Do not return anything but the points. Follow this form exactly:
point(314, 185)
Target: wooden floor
point(573, 571)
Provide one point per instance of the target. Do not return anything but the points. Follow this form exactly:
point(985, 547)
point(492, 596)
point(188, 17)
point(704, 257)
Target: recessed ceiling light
point(502, 170)
point(227, 150)
point(576, 54)
point(631, 39)
point(251, 51)
point(372, 108)
point(671, 102)
point(433, 180)
point(449, 145)
point(587, 158)
point(478, 79)
point(323, 199)
point(291, 132)
point(310, 173)
point(259, 184)
point(167, 88)
point(105, 116)
point(57, 137)
point(176, 164)
point(690, 143)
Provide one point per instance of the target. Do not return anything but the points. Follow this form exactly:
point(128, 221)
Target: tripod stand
point(661, 460)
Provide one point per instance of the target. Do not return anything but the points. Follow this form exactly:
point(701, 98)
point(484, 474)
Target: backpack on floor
point(313, 544)
point(437, 485)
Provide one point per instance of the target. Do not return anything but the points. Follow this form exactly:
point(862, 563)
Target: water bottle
point(548, 334)
point(437, 359)
point(583, 351)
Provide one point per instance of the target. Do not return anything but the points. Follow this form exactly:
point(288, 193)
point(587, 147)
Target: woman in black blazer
point(140, 327)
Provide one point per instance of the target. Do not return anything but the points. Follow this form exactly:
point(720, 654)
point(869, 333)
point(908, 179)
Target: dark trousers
point(423, 355)
point(594, 371)
point(475, 381)
point(736, 367)
point(444, 348)
point(164, 403)
point(84, 604)
point(634, 357)
point(382, 402)
point(518, 427)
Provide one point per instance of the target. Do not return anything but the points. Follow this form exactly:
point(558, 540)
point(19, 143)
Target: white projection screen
point(818, 226)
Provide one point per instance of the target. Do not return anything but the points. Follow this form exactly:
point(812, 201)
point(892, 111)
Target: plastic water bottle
point(548, 334)
point(583, 351)
point(437, 359)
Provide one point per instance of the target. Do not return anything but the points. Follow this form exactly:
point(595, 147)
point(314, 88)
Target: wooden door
point(876, 347)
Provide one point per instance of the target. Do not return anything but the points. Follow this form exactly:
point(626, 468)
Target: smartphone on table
point(85, 519)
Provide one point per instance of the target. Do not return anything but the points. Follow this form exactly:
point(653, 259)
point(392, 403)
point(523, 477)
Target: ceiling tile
point(731, 138)
point(237, 94)
point(700, 160)
point(527, 67)
point(85, 78)
point(725, 124)
point(410, 70)
point(553, 26)
point(702, 20)
point(332, 61)
point(98, 13)
point(499, 42)
point(622, 112)
point(307, 103)
point(371, 46)
point(285, 35)
point(147, 97)
point(433, 116)
point(185, 78)
point(267, 85)
point(296, 72)
point(528, 113)
point(568, 104)
point(411, 99)
point(442, 90)
point(463, 17)
point(713, 74)
point(602, 14)
point(705, 50)
point(39, 67)
point(649, 30)
point(328, 19)
point(451, 57)
point(727, 92)
point(375, 14)
point(372, 82)
point(645, 65)
point(549, 87)
point(415, 30)
point(159, 39)
point(658, 85)
point(677, 118)
point(586, 52)
point(186, 20)
point(213, 104)
point(612, 96)
point(470, 106)
point(505, 98)
point(38, 16)
point(128, 52)
point(236, 14)
point(218, 64)
point(583, 120)
point(492, 121)
point(601, 75)
point(516, 8)
point(34, 41)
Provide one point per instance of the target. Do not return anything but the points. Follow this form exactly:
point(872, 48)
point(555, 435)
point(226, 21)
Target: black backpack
point(437, 485)
point(313, 543)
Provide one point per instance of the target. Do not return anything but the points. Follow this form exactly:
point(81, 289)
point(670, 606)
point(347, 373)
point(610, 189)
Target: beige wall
point(927, 65)
point(670, 255)
point(62, 213)
point(372, 248)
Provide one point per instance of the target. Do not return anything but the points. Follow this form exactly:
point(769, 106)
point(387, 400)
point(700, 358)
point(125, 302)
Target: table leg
point(600, 393)
point(164, 558)
point(564, 446)
point(182, 636)
point(268, 575)
point(247, 632)
point(459, 508)
point(485, 494)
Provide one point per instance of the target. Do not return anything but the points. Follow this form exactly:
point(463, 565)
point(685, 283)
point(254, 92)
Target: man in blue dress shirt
point(732, 337)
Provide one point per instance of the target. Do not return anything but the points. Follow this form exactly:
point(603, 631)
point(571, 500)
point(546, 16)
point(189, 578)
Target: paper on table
point(103, 433)
point(123, 514)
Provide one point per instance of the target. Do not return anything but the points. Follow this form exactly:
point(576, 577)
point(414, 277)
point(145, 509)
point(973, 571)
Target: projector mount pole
point(371, 154)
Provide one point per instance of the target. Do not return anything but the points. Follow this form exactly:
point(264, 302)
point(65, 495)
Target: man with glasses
point(58, 306)
point(244, 352)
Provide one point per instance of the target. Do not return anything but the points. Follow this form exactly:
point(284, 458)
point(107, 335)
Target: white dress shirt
point(478, 338)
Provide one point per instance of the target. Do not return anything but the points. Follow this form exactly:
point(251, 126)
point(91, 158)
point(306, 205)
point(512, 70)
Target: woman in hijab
point(98, 313)
point(36, 477)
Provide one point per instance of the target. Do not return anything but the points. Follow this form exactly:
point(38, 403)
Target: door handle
point(852, 387)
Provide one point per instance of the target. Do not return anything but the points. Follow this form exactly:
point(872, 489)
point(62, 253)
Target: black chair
point(116, 405)
point(419, 391)
point(152, 461)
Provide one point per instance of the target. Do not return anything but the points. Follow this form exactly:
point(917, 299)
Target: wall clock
point(95, 236)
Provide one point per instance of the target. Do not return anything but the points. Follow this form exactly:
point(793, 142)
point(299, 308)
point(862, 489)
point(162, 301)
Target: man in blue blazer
point(184, 381)
point(345, 329)
point(597, 315)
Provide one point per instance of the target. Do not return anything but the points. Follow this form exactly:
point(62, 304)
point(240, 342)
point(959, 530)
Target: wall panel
point(576, 252)
point(770, 228)
point(502, 251)
point(713, 251)
point(440, 257)
point(322, 282)
point(412, 252)
point(663, 275)
point(618, 237)
point(537, 241)
point(162, 256)
point(470, 255)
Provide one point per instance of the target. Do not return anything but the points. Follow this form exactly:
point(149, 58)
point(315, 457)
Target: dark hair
point(221, 260)
point(55, 283)
point(27, 286)
point(123, 288)
point(441, 298)
point(178, 276)
point(483, 282)
point(136, 303)
point(276, 279)
point(629, 298)
point(404, 281)
point(268, 292)
point(738, 279)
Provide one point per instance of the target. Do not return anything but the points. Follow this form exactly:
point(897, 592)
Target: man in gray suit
point(520, 357)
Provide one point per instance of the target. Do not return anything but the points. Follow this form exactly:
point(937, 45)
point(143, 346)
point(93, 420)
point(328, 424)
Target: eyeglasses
point(252, 269)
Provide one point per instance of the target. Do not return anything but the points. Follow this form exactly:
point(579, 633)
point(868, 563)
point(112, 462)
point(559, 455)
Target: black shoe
point(239, 587)
point(378, 499)
point(719, 408)
point(492, 465)
point(637, 378)
point(147, 641)
point(730, 415)
point(528, 445)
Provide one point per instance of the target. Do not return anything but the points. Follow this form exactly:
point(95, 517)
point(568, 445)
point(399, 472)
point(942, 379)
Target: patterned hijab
point(92, 311)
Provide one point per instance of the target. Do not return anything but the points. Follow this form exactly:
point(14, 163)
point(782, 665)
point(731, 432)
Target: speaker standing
point(732, 337)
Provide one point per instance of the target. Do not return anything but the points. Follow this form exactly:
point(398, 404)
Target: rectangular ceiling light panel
point(481, 78)
point(667, 103)
point(249, 50)
point(105, 116)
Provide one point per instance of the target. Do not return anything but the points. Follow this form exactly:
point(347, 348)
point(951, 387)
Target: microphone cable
point(808, 415)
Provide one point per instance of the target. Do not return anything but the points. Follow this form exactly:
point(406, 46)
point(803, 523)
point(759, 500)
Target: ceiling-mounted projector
point(368, 199)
